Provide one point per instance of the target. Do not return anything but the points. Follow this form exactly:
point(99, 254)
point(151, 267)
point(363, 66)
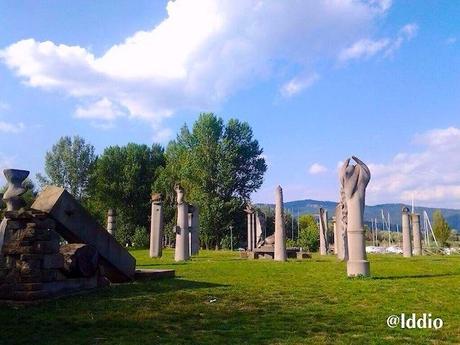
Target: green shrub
point(141, 238)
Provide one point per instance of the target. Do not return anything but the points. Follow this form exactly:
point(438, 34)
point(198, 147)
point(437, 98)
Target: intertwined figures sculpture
point(12, 196)
point(354, 180)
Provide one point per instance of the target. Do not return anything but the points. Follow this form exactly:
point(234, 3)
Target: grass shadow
point(417, 276)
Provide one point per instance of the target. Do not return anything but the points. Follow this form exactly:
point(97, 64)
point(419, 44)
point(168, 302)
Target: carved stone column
point(156, 227)
point(182, 232)
point(417, 236)
point(323, 231)
point(407, 245)
point(280, 233)
point(111, 222)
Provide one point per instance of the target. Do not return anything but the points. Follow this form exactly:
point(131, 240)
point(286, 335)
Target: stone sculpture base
point(268, 252)
point(358, 268)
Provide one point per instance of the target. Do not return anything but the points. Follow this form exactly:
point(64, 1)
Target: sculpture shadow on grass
point(416, 276)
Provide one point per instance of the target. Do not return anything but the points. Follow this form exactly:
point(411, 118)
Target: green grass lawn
point(218, 298)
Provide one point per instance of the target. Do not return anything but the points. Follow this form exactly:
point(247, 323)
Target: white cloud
point(202, 53)
point(430, 175)
point(4, 106)
point(450, 40)
point(316, 169)
point(7, 127)
point(366, 48)
point(296, 85)
point(102, 109)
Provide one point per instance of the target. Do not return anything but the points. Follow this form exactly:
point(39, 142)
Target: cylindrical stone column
point(182, 251)
point(357, 263)
point(280, 233)
point(194, 222)
point(250, 228)
point(111, 222)
point(417, 236)
point(407, 245)
point(156, 227)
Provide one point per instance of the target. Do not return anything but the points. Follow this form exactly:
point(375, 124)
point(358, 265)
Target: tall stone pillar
point(334, 224)
point(417, 236)
point(182, 232)
point(250, 212)
point(156, 227)
point(111, 222)
point(280, 233)
point(354, 180)
point(259, 222)
point(194, 223)
point(323, 231)
point(407, 245)
point(12, 196)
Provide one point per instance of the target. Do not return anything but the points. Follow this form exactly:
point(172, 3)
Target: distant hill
point(312, 207)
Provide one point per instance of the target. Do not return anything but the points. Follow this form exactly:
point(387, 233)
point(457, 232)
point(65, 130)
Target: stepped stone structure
point(354, 180)
point(280, 233)
point(406, 238)
point(417, 236)
point(323, 245)
point(182, 252)
point(156, 227)
point(111, 222)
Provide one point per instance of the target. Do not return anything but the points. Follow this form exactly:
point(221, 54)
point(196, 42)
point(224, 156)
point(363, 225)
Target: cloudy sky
point(317, 80)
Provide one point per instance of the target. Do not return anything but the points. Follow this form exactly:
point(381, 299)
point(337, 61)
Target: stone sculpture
point(323, 231)
point(182, 232)
point(280, 233)
point(111, 222)
point(334, 225)
point(417, 237)
point(341, 225)
point(156, 227)
point(407, 245)
point(12, 196)
point(354, 180)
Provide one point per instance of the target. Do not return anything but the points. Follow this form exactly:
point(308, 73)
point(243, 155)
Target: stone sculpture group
point(411, 220)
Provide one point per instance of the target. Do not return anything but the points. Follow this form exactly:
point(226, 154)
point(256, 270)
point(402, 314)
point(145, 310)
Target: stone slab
point(151, 274)
point(76, 225)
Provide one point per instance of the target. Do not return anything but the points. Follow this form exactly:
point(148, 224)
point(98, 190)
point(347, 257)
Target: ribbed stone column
point(417, 236)
point(322, 231)
point(405, 222)
point(111, 222)
point(156, 227)
point(182, 233)
point(280, 233)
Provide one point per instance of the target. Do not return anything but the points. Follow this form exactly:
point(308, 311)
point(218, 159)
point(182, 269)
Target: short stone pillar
point(251, 228)
point(12, 196)
point(194, 229)
point(182, 232)
point(354, 180)
point(280, 233)
point(323, 232)
point(405, 222)
point(111, 222)
point(156, 226)
point(417, 236)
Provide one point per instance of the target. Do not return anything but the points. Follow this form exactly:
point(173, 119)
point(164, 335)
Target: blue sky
point(317, 80)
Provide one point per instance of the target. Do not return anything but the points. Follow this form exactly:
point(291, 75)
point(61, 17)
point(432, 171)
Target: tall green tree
point(69, 164)
point(309, 233)
point(441, 229)
point(122, 180)
point(219, 165)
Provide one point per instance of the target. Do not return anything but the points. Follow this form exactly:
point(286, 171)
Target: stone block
point(253, 255)
point(28, 287)
point(76, 225)
point(303, 255)
point(53, 261)
point(45, 247)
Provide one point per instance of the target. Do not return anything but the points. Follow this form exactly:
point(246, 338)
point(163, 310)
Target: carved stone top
point(157, 197)
point(354, 179)
point(111, 212)
point(249, 208)
point(405, 209)
point(12, 196)
point(180, 194)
